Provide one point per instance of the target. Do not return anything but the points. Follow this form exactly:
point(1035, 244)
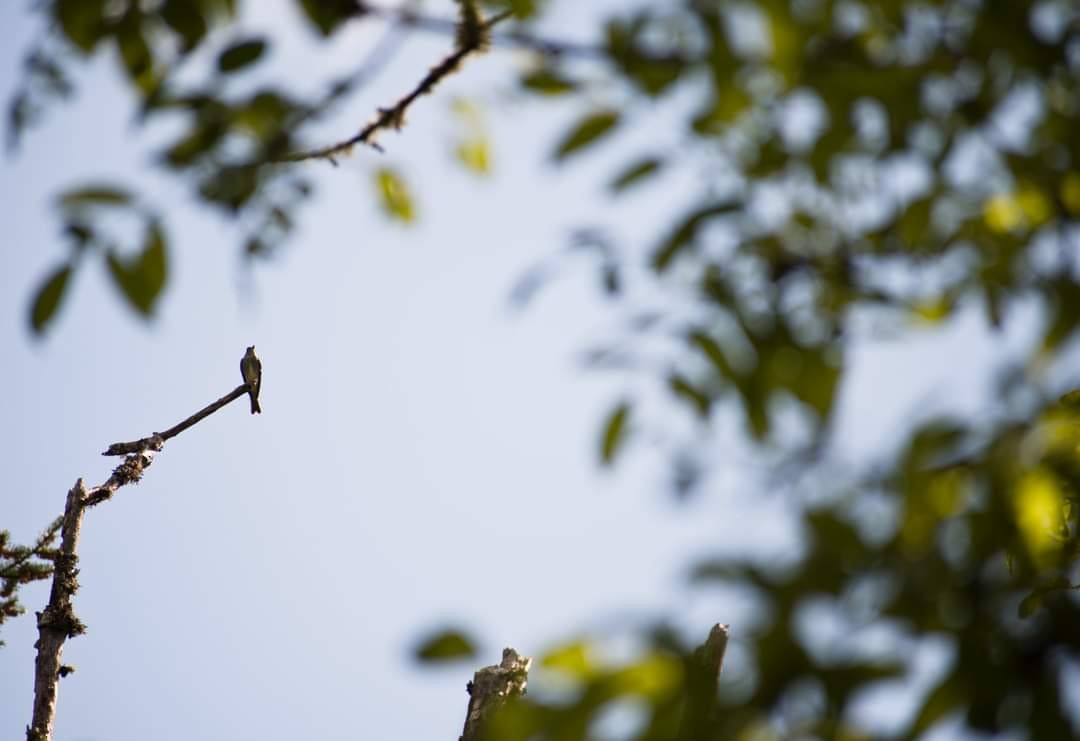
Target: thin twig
point(157, 440)
point(394, 116)
point(9, 570)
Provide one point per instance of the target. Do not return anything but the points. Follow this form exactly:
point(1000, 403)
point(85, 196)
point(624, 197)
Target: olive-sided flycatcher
point(251, 369)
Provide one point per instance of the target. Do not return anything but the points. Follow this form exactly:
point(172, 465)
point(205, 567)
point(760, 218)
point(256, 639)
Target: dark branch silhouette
point(157, 440)
point(58, 622)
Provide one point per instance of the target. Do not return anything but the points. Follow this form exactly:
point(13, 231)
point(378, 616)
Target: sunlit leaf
point(1040, 505)
point(575, 659)
point(394, 195)
point(475, 154)
point(48, 298)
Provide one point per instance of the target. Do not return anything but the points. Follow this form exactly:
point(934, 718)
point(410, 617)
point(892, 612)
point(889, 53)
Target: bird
point(251, 370)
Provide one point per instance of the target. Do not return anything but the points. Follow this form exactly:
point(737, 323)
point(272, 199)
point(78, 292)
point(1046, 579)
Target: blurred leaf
point(240, 55)
point(652, 677)
point(230, 187)
point(95, 195)
point(586, 132)
point(652, 73)
point(48, 297)
point(636, 173)
point(394, 195)
point(522, 9)
point(474, 153)
point(328, 15)
point(614, 433)
point(685, 232)
point(141, 279)
point(1040, 506)
point(574, 659)
point(1049, 718)
point(697, 399)
point(136, 53)
point(547, 82)
point(444, 646)
point(83, 21)
point(187, 20)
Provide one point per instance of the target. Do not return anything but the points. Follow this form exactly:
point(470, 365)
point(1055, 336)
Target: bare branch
point(157, 440)
point(57, 622)
point(491, 688)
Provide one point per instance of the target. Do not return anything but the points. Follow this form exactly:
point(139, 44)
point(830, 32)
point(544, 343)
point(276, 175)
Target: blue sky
point(427, 455)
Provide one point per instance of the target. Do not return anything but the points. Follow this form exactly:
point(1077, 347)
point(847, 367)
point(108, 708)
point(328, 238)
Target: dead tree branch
point(157, 440)
point(491, 688)
point(58, 622)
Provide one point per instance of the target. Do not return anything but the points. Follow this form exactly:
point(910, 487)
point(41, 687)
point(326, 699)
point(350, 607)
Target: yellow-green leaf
point(475, 154)
point(394, 195)
point(614, 433)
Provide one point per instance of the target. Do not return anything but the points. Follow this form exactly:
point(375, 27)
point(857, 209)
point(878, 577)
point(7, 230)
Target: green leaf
point(636, 173)
point(547, 82)
point(1029, 605)
point(521, 9)
point(141, 279)
point(447, 645)
point(328, 15)
point(94, 195)
point(628, 52)
point(83, 21)
point(240, 55)
point(394, 195)
point(711, 349)
point(136, 54)
point(586, 132)
point(230, 187)
point(186, 19)
point(614, 433)
point(681, 387)
point(685, 233)
point(48, 298)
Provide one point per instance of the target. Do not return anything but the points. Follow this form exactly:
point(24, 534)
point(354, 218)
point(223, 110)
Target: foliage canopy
point(867, 163)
